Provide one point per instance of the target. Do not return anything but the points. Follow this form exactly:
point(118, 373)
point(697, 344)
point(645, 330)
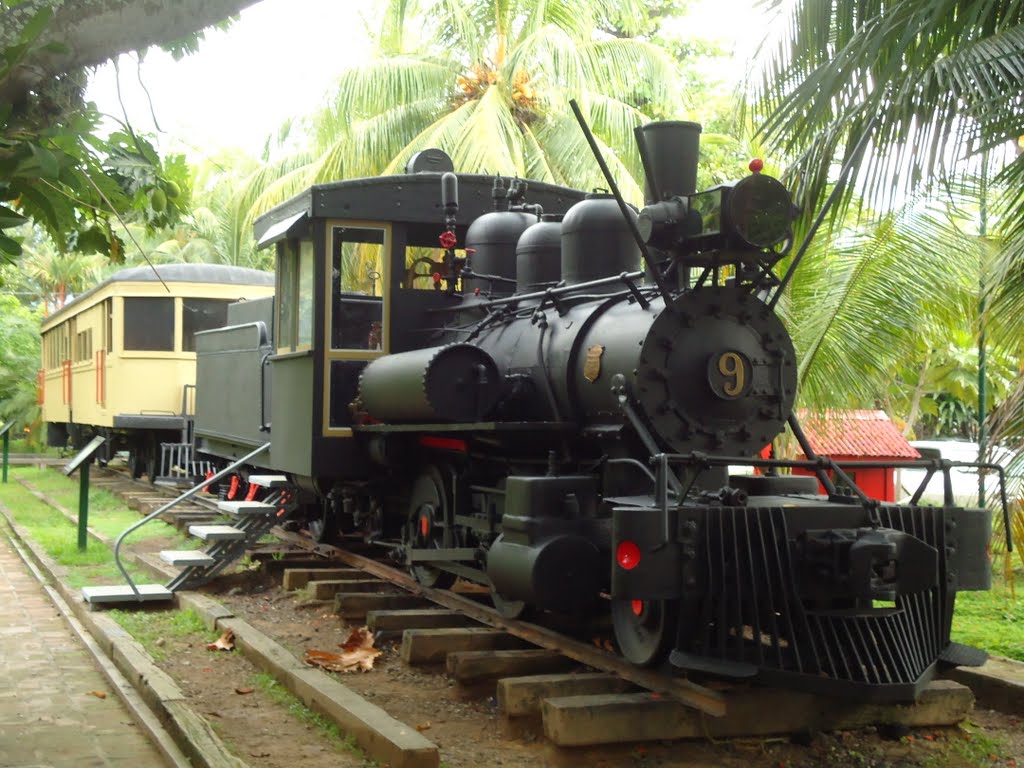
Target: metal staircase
point(225, 543)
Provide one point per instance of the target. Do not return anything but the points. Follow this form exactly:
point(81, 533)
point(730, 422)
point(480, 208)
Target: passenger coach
point(119, 360)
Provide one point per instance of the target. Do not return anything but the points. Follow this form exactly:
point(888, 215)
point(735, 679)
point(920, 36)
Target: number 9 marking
point(730, 375)
point(731, 366)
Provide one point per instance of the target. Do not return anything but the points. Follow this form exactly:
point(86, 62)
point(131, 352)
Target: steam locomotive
point(553, 395)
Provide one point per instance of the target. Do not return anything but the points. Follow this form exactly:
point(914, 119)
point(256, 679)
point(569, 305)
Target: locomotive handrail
point(186, 495)
point(826, 463)
point(545, 293)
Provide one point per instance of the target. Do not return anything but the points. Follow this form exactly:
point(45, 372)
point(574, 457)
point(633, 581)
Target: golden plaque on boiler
point(592, 368)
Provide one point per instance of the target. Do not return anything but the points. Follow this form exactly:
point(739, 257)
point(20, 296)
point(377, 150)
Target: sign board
point(85, 454)
point(6, 428)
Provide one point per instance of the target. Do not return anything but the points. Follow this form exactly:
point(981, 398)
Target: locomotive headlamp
point(756, 212)
point(760, 211)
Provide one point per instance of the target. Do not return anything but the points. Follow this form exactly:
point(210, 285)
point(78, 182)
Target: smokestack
point(669, 151)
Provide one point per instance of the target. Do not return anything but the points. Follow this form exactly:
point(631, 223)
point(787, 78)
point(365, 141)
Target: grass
point(280, 695)
point(107, 513)
point(58, 536)
point(149, 627)
point(992, 620)
point(971, 747)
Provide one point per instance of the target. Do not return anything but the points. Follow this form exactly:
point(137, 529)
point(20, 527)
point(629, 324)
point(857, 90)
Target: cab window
point(357, 258)
point(295, 295)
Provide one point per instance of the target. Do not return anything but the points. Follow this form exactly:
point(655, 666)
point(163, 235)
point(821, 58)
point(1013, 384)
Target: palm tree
point(54, 277)
point(937, 87)
point(489, 82)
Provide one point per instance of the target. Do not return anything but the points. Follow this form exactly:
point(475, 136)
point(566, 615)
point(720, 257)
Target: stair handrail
point(186, 495)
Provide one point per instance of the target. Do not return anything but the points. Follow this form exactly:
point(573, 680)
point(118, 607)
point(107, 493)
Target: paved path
point(48, 717)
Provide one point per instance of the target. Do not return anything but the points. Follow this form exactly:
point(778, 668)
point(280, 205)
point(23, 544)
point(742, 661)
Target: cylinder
point(673, 147)
point(559, 573)
point(459, 382)
point(597, 242)
point(539, 255)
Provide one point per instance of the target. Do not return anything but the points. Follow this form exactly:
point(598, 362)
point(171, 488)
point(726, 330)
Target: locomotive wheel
point(322, 524)
point(429, 513)
point(644, 629)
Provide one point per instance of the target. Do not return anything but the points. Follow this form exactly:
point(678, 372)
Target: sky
point(278, 60)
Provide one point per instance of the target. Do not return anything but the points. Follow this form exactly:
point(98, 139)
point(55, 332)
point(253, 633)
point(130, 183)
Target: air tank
point(457, 382)
point(539, 255)
point(493, 238)
point(597, 242)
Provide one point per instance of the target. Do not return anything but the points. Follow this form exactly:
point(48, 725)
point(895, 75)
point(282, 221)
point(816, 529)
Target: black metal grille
point(753, 614)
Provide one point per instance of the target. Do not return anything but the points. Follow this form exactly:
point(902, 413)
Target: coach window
point(357, 283)
point(200, 315)
point(108, 318)
point(148, 324)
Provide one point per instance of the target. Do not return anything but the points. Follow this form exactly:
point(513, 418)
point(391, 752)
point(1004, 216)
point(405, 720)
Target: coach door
point(358, 313)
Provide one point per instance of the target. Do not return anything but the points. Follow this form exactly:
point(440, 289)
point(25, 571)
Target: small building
point(859, 435)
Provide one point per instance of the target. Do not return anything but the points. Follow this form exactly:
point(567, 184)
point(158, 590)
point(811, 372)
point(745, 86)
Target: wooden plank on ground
point(475, 666)
point(616, 718)
point(522, 696)
point(354, 605)
point(297, 578)
point(431, 646)
point(328, 588)
point(417, 618)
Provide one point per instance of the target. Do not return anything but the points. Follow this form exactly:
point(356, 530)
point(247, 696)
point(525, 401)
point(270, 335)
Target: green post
point(82, 460)
point(983, 233)
point(83, 506)
point(7, 446)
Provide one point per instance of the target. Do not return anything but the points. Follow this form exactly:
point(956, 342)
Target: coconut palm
point(489, 82)
point(54, 277)
point(938, 88)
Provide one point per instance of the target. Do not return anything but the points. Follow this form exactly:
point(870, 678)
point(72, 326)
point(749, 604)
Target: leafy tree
point(19, 360)
point(54, 168)
point(936, 87)
point(489, 82)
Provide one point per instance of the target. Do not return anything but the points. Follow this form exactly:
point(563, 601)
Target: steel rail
point(685, 691)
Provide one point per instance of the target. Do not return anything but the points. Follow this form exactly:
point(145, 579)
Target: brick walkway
point(48, 718)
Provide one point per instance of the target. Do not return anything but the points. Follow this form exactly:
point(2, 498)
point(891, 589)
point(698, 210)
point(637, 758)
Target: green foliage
point(58, 173)
point(489, 82)
point(152, 627)
point(280, 695)
point(19, 360)
point(992, 620)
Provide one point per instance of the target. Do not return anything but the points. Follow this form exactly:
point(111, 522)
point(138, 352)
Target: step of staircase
point(268, 481)
point(122, 593)
point(240, 508)
point(216, 532)
point(186, 557)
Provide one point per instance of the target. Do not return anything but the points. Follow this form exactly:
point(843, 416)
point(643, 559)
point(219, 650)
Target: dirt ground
point(467, 727)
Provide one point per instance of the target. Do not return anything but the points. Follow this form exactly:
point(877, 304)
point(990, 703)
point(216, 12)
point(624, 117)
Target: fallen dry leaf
point(357, 654)
point(98, 694)
point(244, 691)
point(423, 726)
point(225, 642)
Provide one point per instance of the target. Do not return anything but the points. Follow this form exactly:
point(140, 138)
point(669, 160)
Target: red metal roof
point(859, 434)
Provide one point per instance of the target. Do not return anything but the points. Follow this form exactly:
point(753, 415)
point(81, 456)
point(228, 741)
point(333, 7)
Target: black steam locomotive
point(548, 393)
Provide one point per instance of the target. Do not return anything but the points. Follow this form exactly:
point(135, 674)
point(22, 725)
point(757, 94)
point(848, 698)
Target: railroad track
point(536, 669)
